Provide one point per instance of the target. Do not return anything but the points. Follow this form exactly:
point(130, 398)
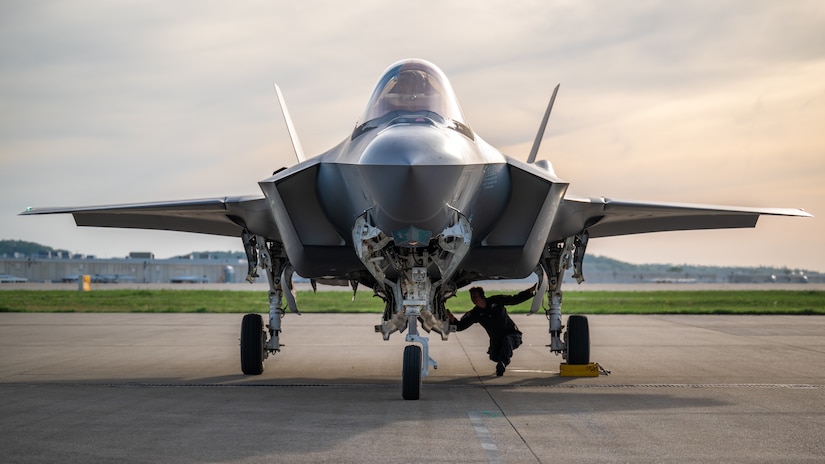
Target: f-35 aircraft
point(414, 205)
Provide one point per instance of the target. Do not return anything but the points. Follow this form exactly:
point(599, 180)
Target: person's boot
point(500, 369)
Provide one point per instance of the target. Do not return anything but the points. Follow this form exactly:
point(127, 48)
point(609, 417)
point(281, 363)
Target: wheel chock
point(579, 370)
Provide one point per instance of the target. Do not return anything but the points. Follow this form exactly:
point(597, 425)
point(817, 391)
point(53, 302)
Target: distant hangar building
point(138, 267)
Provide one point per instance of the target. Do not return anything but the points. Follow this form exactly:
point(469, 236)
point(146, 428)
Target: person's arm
point(521, 297)
point(468, 319)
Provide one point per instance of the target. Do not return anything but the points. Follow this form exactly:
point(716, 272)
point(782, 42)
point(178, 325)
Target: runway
point(168, 388)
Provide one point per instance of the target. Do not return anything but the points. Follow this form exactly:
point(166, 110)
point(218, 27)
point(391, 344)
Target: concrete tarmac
point(168, 388)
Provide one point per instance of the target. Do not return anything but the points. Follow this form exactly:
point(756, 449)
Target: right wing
point(604, 217)
point(227, 216)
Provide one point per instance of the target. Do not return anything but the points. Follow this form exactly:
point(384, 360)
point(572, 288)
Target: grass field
point(592, 302)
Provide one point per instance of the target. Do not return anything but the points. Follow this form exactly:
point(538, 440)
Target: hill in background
point(10, 247)
point(593, 264)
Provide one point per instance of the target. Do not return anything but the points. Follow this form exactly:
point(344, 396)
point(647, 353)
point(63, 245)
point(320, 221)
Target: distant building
point(220, 267)
point(141, 255)
point(139, 267)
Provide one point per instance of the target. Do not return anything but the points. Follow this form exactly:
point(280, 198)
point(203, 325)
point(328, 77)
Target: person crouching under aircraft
point(491, 313)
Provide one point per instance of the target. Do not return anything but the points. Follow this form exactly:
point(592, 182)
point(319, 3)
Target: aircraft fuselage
point(411, 176)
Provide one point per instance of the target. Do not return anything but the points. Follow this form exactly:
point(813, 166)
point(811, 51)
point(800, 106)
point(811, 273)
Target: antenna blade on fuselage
point(293, 136)
point(535, 150)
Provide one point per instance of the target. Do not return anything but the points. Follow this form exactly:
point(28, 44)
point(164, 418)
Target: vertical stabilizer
point(535, 150)
point(293, 136)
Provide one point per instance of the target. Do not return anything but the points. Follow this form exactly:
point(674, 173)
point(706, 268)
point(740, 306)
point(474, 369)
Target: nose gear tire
point(411, 373)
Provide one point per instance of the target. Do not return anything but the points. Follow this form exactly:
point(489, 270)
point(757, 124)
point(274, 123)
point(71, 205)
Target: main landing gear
point(574, 345)
point(259, 341)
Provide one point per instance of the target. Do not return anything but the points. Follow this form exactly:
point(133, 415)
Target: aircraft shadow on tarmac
point(212, 416)
point(543, 391)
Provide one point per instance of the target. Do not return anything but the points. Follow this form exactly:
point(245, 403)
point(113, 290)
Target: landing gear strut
point(414, 281)
point(415, 365)
point(255, 345)
point(558, 257)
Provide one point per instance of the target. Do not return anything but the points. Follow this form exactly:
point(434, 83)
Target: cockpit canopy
point(412, 86)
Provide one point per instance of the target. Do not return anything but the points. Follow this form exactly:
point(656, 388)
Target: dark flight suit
point(504, 334)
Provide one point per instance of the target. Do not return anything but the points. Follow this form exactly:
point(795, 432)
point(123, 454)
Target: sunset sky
point(719, 102)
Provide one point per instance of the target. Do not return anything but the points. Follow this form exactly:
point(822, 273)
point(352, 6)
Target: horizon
point(786, 269)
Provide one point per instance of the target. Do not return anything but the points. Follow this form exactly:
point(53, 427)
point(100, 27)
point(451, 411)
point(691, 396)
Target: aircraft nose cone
point(411, 195)
point(414, 145)
point(411, 175)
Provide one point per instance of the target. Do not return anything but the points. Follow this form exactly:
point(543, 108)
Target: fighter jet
point(414, 205)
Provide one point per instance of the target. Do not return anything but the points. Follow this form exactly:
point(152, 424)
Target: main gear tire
point(578, 340)
point(253, 339)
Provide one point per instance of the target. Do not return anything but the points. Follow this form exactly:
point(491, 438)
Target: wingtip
point(30, 211)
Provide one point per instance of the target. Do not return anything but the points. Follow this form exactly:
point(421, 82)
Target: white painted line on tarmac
point(485, 437)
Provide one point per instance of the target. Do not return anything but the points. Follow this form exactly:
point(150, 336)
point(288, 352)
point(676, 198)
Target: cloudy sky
point(706, 101)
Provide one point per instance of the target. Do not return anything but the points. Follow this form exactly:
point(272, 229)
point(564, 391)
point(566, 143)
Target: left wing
point(216, 216)
point(604, 217)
